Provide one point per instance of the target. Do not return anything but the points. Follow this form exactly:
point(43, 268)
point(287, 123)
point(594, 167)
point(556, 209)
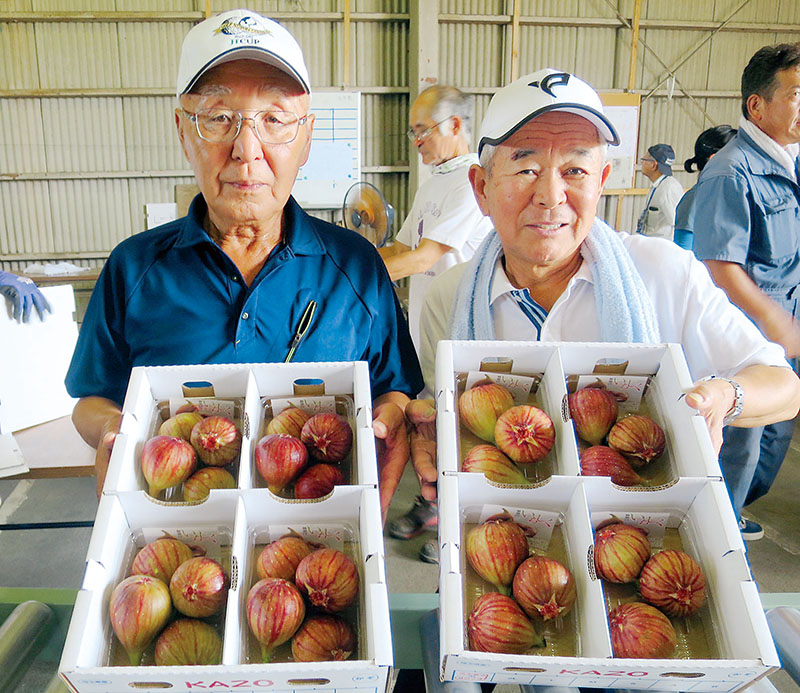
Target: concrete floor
point(55, 557)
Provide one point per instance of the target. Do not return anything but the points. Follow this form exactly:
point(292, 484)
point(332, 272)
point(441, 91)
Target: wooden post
point(514, 39)
point(346, 54)
point(637, 10)
point(208, 9)
point(423, 70)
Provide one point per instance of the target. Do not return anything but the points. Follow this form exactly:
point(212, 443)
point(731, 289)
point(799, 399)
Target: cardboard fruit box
point(654, 376)
point(249, 394)
point(726, 646)
point(233, 525)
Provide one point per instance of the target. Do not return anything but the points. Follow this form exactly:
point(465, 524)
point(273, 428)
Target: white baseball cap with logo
point(239, 35)
point(537, 93)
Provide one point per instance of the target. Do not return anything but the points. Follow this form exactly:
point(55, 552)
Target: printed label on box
point(333, 536)
point(313, 405)
point(628, 389)
point(653, 524)
point(519, 385)
point(538, 524)
point(206, 406)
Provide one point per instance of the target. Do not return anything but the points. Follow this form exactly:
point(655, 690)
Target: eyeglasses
point(413, 135)
point(219, 125)
point(644, 158)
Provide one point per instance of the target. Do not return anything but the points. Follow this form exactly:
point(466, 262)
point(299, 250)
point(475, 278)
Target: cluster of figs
point(670, 583)
point(172, 591)
point(531, 588)
point(194, 450)
point(304, 451)
point(515, 434)
point(631, 442)
point(301, 591)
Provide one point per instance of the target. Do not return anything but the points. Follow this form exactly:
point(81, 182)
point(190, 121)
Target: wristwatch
point(738, 398)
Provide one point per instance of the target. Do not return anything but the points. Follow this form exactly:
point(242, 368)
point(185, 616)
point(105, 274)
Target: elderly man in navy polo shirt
point(230, 282)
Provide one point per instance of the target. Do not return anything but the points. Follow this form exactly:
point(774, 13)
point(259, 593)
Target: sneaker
point(750, 530)
point(423, 516)
point(429, 552)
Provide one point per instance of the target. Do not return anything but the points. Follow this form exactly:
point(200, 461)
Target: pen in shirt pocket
point(302, 328)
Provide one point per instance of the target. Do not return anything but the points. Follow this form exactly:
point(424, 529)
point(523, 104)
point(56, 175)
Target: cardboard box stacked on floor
point(232, 526)
point(685, 506)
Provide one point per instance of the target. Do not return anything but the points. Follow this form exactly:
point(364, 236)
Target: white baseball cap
point(239, 35)
point(541, 92)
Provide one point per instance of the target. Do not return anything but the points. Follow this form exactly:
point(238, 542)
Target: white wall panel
point(151, 138)
point(89, 214)
point(21, 146)
point(149, 53)
point(17, 41)
point(77, 54)
point(83, 134)
point(25, 224)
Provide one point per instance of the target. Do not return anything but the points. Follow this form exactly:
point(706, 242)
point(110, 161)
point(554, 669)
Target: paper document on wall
point(34, 358)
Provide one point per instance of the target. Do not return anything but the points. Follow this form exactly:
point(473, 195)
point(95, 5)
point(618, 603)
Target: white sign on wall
point(334, 162)
point(623, 157)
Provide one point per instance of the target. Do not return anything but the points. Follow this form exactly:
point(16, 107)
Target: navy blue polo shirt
point(171, 296)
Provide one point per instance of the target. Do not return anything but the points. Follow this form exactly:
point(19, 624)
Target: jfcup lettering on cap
point(239, 35)
point(537, 93)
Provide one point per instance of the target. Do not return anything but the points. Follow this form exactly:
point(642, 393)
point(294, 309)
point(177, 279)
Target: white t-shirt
point(660, 205)
point(717, 337)
point(445, 211)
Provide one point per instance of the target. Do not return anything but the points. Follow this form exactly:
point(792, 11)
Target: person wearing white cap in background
point(553, 271)
point(658, 216)
point(247, 276)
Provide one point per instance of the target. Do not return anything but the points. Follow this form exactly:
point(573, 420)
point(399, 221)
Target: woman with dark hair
point(708, 143)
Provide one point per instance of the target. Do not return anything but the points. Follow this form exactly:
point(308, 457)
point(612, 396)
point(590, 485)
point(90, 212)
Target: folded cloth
point(624, 308)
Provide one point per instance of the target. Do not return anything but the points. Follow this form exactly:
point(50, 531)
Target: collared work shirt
point(171, 296)
point(746, 210)
point(658, 216)
point(717, 337)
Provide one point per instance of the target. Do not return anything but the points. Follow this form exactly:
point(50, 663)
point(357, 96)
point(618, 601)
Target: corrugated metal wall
point(86, 100)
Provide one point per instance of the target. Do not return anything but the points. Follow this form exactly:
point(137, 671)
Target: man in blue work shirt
point(232, 281)
point(746, 226)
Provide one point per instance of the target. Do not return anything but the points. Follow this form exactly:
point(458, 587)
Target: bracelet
point(738, 398)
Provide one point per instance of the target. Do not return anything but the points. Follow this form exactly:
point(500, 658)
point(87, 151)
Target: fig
point(480, 406)
point(216, 440)
point(494, 465)
point(620, 551)
point(593, 411)
point(161, 558)
point(279, 459)
point(638, 437)
point(497, 624)
point(318, 481)
point(139, 608)
point(199, 485)
point(167, 461)
point(524, 433)
point(600, 460)
point(199, 587)
point(180, 425)
point(275, 609)
point(188, 642)
point(544, 587)
point(328, 578)
point(290, 421)
point(327, 436)
point(280, 558)
point(641, 631)
point(323, 639)
point(495, 548)
point(674, 582)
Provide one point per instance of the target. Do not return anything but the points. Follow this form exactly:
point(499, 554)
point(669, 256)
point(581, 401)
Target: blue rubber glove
point(23, 294)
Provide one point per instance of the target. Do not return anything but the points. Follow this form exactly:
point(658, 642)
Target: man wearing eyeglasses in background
point(443, 228)
point(658, 216)
point(234, 280)
point(444, 225)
